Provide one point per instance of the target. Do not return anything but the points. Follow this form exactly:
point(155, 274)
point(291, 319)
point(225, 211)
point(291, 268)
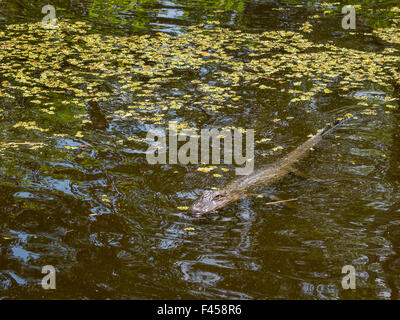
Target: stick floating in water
point(281, 201)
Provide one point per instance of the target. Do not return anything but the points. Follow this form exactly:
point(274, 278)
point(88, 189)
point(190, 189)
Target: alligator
point(214, 200)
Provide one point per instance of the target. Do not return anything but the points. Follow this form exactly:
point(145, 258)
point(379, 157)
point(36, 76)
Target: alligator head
point(211, 201)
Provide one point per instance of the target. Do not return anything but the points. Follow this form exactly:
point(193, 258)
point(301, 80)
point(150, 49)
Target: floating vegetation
point(77, 63)
point(147, 80)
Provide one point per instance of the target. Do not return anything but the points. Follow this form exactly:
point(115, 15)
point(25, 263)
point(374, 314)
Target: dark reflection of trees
point(140, 14)
point(392, 265)
point(79, 7)
point(375, 13)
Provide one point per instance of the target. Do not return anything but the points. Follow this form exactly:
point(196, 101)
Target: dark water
point(110, 222)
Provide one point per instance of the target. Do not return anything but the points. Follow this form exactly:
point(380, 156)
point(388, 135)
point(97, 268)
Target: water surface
point(76, 191)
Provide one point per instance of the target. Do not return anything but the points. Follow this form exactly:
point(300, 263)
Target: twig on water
point(281, 201)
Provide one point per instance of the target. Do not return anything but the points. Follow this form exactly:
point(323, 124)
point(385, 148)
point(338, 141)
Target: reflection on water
point(108, 221)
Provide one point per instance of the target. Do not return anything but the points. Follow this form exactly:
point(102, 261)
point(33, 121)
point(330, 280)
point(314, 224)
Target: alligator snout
point(209, 201)
point(196, 212)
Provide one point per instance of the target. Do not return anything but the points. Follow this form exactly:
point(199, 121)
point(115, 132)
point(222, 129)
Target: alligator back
point(214, 200)
point(280, 168)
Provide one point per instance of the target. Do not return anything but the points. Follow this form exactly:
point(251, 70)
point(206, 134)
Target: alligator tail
point(328, 128)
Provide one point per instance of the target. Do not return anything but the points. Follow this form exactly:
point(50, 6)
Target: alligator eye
point(218, 196)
